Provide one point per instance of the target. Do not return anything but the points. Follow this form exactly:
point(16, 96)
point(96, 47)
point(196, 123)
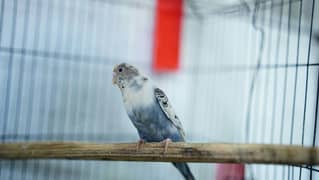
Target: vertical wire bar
point(315, 124)
point(250, 92)
point(22, 66)
point(275, 81)
point(81, 63)
point(196, 67)
point(306, 88)
point(267, 76)
point(89, 90)
point(295, 85)
point(92, 108)
point(261, 47)
point(83, 97)
point(285, 84)
point(73, 80)
point(265, 109)
point(249, 168)
point(21, 75)
point(1, 25)
point(316, 120)
point(285, 79)
point(57, 79)
point(42, 106)
point(50, 82)
point(252, 85)
point(44, 86)
point(112, 27)
point(102, 86)
point(79, 79)
point(86, 83)
point(308, 59)
point(262, 32)
point(67, 74)
point(69, 79)
point(1, 21)
point(9, 76)
point(30, 115)
point(275, 75)
point(34, 63)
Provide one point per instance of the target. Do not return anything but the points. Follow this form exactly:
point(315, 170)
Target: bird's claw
point(165, 143)
point(140, 144)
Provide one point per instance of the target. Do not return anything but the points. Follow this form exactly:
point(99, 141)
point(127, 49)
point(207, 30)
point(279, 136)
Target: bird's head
point(124, 74)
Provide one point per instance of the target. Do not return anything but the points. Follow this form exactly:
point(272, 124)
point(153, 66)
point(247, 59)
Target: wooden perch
point(177, 152)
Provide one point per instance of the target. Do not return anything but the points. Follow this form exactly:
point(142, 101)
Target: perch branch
point(177, 152)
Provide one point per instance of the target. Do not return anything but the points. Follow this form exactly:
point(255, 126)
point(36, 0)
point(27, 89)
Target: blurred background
point(246, 72)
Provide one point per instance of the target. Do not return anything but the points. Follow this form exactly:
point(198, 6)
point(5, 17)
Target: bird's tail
point(184, 169)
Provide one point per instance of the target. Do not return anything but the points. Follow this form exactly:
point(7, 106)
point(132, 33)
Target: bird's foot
point(165, 143)
point(140, 144)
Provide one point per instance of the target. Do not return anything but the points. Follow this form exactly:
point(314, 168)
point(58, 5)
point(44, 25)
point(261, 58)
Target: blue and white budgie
point(149, 110)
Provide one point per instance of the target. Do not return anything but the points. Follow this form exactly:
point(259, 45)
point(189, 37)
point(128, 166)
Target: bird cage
point(235, 72)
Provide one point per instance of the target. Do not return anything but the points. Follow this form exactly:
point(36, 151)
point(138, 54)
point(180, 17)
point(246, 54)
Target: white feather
point(138, 98)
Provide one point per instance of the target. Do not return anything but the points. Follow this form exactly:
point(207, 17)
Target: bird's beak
point(114, 78)
point(114, 75)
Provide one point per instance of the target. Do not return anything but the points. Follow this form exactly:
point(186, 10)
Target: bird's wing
point(168, 110)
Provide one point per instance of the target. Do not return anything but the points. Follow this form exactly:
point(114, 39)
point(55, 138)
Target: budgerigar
point(149, 110)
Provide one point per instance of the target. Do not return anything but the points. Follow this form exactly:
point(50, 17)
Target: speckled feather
point(152, 122)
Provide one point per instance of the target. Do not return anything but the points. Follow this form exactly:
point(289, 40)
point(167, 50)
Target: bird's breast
point(137, 99)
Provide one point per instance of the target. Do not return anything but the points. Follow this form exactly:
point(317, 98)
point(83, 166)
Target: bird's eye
point(120, 70)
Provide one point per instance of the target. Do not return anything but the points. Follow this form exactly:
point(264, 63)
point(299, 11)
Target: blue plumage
point(152, 124)
point(149, 110)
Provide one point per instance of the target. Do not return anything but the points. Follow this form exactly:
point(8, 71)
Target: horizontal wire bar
point(112, 61)
point(203, 8)
point(309, 168)
point(57, 55)
point(67, 136)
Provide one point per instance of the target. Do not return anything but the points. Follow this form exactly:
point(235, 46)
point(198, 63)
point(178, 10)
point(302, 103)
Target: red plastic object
point(230, 171)
point(167, 35)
